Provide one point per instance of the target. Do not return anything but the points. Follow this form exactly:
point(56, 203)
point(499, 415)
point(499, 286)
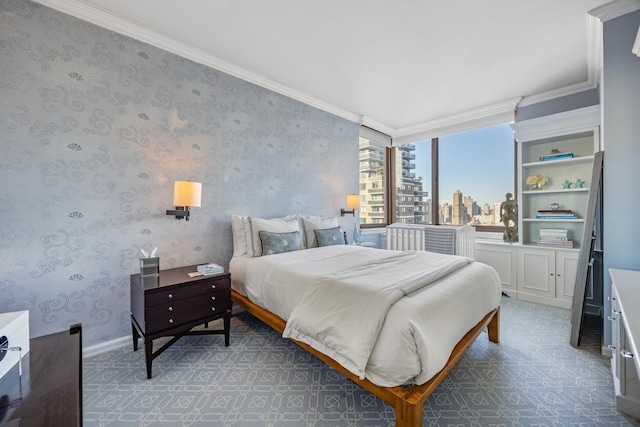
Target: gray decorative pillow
point(277, 243)
point(329, 236)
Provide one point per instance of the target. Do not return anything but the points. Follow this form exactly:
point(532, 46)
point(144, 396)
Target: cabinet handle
point(170, 296)
point(213, 286)
point(610, 298)
point(170, 320)
point(558, 275)
point(213, 309)
point(611, 347)
point(213, 298)
point(170, 308)
point(611, 318)
point(626, 353)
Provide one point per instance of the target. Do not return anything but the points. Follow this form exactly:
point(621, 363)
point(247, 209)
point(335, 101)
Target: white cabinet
point(501, 257)
point(574, 133)
point(546, 276)
point(530, 273)
point(625, 318)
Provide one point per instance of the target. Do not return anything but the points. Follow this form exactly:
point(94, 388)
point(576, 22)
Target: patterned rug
point(532, 378)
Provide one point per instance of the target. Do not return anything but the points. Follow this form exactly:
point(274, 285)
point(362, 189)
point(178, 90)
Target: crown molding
point(615, 9)
point(102, 18)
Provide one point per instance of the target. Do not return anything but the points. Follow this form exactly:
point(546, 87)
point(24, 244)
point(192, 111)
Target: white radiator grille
point(434, 238)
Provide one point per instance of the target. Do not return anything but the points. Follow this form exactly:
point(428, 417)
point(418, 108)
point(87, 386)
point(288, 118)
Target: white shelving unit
point(574, 132)
point(530, 272)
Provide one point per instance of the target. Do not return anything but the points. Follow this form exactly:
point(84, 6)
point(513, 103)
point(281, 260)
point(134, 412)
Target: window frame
point(390, 191)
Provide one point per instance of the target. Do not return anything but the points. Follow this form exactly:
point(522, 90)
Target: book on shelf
point(557, 156)
point(555, 243)
point(210, 268)
point(556, 214)
point(558, 234)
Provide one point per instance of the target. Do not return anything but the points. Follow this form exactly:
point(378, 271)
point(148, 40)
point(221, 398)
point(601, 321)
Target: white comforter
point(408, 345)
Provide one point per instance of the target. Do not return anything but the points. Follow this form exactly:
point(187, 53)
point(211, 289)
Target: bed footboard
point(408, 403)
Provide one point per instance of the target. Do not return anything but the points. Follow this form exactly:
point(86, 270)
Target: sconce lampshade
point(187, 193)
point(353, 201)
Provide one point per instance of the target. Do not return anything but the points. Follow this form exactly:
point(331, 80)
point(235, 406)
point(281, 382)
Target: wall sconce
point(353, 203)
point(186, 194)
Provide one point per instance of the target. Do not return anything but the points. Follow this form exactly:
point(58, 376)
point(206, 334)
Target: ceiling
point(395, 66)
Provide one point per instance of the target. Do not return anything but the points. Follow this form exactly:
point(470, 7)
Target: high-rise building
point(412, 202)
point(458, 211)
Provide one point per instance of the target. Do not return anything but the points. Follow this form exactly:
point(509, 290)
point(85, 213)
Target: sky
point(479, 163)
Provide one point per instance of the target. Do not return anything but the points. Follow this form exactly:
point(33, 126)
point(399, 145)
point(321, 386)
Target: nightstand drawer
point(182, 292)
point(176, 307)
point(187, 315)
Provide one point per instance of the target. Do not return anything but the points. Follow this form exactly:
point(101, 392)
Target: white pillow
point(311, 223)
point(276, 225)
point(240, 228)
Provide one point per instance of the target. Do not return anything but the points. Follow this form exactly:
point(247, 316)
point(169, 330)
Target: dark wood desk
point(172, 303)
point(49, 394)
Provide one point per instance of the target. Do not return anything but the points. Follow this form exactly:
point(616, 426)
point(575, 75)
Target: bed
point(394, 322)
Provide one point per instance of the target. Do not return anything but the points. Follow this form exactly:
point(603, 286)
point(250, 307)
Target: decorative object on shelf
point(353, 203)
point(509, 217)
point(186, 194)
point(554, 238)
point(537, 182)
point(567, 184)
point(554, 206)
point(579, 183)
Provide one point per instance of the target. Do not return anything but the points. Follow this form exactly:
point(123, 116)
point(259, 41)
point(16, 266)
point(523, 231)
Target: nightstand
point(172, 303)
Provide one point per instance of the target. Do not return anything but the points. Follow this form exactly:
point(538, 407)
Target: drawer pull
point(611, 298)
point(213, 298)
point(170, 308)
point(170, 320)
point(213, 309)
point(213, 286)
point(170, 296)
point(626, 353)
point(611, 318)
point(611, 347)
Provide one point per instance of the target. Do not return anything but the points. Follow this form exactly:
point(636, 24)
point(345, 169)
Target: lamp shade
point(187, 193)
point(353, 201)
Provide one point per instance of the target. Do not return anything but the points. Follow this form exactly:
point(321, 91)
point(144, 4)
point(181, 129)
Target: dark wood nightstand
point(172, 303)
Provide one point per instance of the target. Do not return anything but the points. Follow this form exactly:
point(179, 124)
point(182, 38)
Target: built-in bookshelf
point(561, 149)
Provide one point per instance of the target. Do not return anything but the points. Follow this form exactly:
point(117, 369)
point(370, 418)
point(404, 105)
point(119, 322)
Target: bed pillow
point(277, 243)
point(311, 223)
point(329, 236)
point(275, 225)
point(239, 224)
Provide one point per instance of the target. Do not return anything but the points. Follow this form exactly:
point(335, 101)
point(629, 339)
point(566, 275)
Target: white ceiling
point(395, 65)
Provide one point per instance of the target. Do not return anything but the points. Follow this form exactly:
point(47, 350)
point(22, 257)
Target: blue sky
point(479, 163)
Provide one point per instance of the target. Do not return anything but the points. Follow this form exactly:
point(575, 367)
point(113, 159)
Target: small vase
point(536, 187)
point(356, 233)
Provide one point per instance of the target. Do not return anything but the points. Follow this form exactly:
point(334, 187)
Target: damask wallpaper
point(94, 129)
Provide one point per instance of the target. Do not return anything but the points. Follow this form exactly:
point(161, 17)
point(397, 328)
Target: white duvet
point(392, 317)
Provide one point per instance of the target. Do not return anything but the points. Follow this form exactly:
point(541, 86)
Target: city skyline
point(462, 157)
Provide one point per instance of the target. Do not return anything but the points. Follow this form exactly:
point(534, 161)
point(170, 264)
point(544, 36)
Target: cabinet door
point(503, 260)
point(536, 275)
point(566, 270)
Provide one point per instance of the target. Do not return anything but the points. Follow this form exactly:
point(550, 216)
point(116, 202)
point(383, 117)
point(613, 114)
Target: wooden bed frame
point(408, 402)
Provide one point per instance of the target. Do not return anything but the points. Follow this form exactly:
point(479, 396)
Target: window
point(372, 182)
point(413, 183)
point(475, 171)
point(456, 179)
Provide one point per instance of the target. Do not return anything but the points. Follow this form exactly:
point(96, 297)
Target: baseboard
point(104, 347)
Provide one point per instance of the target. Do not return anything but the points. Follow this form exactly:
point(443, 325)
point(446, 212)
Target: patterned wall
point(94, 129)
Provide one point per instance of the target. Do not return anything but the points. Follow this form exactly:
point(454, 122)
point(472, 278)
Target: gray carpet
point(532, 378)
